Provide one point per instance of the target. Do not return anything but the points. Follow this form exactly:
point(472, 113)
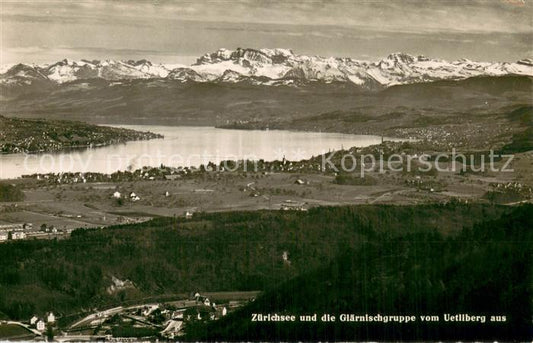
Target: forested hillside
point(211, 252)
point(9, 193)
point(486, 270)
point(42, 135)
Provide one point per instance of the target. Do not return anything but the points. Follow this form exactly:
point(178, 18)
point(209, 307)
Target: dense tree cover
point(9, 193)
point(522, 114)
point(485, 270)
point(211, 252)
point(522, 141)
point(37, 135)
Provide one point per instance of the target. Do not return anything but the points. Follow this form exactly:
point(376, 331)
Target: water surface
point(184, 146)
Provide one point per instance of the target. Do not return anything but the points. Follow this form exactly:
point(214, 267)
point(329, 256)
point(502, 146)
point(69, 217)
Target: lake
point(184, 146)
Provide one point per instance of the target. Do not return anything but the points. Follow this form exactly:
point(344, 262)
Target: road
point(112, 311)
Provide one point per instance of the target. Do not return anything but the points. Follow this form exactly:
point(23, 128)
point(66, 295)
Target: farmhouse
point(50, 318)
point(18, 235)
point(40, 326)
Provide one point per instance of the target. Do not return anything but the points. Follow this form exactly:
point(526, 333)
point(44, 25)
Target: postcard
point(266, 171)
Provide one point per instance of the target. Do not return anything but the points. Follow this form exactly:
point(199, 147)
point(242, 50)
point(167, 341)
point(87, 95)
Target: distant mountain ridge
point(267, 67)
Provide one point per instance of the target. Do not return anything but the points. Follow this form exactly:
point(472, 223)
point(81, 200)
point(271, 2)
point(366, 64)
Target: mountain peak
point(271, 66)
point(24, 71)
point(401, 57)
point(246, 56)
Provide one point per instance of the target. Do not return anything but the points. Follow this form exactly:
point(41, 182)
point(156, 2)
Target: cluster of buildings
point(514, 187)
point(118, 285)
point(133, 197)
point(174, 173)
point(167, 320)
point(159, 320)
point(203, 309)
point(40, 324)
point(19, 231)
point(14, 231)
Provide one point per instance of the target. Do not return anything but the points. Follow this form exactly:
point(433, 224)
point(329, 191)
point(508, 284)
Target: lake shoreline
point(34, 136)
point(184, 146)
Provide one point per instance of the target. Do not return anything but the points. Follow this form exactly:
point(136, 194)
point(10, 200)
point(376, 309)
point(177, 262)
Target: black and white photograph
point(266, 171)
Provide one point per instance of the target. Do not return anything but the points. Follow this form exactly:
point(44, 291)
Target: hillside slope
point(41, 135)
point(483, 271)
point(235, 251)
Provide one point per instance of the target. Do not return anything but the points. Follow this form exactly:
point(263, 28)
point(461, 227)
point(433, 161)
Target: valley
point(121, 253)
point(71, 200)
point(95, 285)
point(472, 116)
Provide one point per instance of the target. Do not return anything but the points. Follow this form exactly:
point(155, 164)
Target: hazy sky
point(181, 31)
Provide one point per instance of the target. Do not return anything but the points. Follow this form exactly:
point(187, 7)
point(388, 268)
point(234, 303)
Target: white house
point(18, 235)
point(41, 326)
point(4, 236)
point(50, 318)
point(117, 195)
point(33, 320)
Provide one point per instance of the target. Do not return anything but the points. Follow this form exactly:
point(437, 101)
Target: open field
point(70, 206)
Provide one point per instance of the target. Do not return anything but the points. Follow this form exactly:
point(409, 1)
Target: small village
point(57, 204)
point(19, 231)
point(149, 321)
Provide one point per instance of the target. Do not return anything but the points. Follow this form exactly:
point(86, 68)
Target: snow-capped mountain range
point(268, 67)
